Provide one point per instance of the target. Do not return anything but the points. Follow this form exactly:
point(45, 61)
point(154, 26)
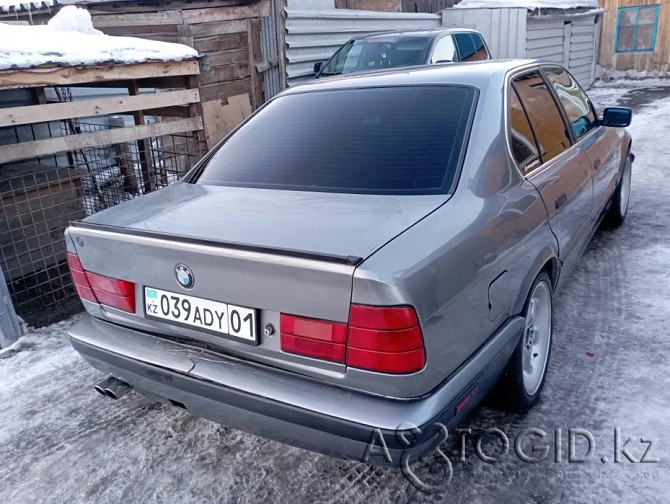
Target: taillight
point(378, 338)
point(313, 338)
point(385, 339)
point(96, 288)
point(79, 278)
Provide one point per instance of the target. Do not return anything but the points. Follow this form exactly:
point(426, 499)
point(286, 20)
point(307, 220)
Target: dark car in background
point(406, 48)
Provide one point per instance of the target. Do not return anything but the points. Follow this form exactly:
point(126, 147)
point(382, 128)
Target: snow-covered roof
point(69, 39)
point(17, 5)
point(529, 4)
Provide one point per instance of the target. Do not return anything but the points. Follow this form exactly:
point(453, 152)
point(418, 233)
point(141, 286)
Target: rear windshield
point(397, 140)
point(366, 55)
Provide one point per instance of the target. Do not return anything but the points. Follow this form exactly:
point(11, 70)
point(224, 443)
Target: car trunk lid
point(271, 251)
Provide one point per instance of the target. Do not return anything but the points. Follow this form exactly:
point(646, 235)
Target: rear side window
point(575, 103)
point(396, 140)
point(543, 114)
point(521, 136)
point(480, 47)
point(471, 47)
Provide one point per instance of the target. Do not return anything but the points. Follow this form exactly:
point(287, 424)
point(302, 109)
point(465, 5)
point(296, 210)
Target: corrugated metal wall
point(504, 29)
point(271, 82)
point(571, 41)
point(544, 39)
point(582, 57)
point(313, 36)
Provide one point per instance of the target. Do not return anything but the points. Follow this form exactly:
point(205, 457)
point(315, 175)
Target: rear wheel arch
point(545, 261)
point(551, 267)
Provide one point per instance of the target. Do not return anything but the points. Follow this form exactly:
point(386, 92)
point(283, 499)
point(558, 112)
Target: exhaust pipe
point(113, 388)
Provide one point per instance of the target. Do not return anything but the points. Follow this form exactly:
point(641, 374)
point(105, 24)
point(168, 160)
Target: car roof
point(394, 35)
point(479, 74)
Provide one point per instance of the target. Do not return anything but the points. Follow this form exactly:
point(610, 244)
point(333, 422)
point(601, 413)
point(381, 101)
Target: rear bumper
point(284, 406)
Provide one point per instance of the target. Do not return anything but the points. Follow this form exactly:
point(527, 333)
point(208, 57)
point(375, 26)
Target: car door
point(444, 51)
point(560, 171)
point(600, 144)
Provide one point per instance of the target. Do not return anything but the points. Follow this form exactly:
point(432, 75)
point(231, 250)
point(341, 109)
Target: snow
point(69, 39)
point(610, 367)
point(633, 78)
point(529, 4)
point(73, 19)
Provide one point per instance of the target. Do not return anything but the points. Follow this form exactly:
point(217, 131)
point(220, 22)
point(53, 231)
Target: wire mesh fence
point(42, 195)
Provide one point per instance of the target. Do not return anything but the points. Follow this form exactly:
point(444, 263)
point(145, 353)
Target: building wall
point(659, 59)
point(504, 29)
point(568, 40)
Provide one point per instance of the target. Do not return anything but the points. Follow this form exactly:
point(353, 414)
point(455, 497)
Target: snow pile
point(73, 18)
point(70, 40)
point(529, 4)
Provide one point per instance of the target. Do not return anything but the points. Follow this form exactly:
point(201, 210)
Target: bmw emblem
point(184, 276)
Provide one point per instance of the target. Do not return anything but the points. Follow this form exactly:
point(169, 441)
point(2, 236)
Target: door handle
point(597, 164)
point(561, 201)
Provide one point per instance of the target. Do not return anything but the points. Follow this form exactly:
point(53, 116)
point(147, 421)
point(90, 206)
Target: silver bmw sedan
point(364, 257)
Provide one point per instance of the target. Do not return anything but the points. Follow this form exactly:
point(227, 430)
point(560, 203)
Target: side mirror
point(317, 67)
point(617, 117)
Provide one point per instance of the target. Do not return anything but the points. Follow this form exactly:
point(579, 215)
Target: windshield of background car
point(365, 55)
point(393, 140)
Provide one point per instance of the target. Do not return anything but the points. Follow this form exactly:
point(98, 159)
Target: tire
point(619, 205)
point(523, 379)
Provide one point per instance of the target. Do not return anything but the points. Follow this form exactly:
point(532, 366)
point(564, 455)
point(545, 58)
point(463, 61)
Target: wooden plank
point(264, 8)
point(196, 110)
point(224, 90)
point(125, 159)
point(216, 14)
point(217, 28)
point(172, 17)
point(94, 107)
point(220, 117)
point(66, 76)
point(225, 73)
point(35, 148)
point(228, 57)
point(172, 111)
point(220, 43)
point(267, 65)
point(255, 56)
point(141, 6)
point(280, 22)
point(141, 31)
point(144, 146)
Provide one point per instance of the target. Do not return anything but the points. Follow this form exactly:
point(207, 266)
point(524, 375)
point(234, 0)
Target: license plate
point(212, 316)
